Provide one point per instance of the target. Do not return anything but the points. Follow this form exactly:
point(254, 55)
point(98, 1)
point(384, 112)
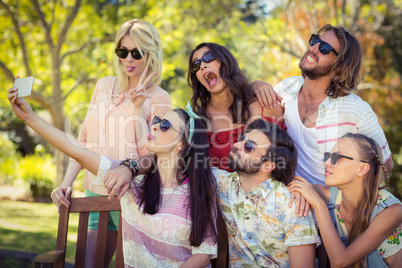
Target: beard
point(241, 167)
point(315, 72)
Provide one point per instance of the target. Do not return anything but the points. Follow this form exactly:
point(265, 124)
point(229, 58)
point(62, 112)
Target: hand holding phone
point(24, 86)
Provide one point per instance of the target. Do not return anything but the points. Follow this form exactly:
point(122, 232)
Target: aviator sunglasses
point(335, 157)
point(122, 53)
point(196, 65)
point(164, 124)
point(324, 47)
point(249, 145)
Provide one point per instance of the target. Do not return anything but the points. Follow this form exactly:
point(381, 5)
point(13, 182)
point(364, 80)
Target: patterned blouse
point(261, 226)
point(391, 244)
point(162, 239)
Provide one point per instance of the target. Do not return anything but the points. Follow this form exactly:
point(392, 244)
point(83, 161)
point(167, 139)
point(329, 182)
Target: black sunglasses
point(324, 47)
point(196, 65)
point(249, 145)
point(164, 124)
point(122, 53)
point(335, 157)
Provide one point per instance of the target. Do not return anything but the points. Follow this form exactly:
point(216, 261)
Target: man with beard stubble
point(319, 105)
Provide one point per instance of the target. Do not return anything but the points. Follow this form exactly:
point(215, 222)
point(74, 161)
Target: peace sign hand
point(139, 94)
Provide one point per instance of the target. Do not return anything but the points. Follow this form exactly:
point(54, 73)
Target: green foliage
point(38, 171)
point(8, 158)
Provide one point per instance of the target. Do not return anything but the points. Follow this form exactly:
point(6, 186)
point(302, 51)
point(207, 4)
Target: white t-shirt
point(309, 162)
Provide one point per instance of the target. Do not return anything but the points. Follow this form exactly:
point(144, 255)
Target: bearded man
point(319, 105)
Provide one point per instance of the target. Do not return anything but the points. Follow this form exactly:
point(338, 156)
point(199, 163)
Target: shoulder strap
point(383, 205)
point(331, 203)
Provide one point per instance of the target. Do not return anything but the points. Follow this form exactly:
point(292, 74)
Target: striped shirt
point(161, 239)
point(335, 118)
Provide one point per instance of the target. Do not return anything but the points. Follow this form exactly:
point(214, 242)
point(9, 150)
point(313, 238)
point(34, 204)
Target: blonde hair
point(369, 151)
point(148, 42)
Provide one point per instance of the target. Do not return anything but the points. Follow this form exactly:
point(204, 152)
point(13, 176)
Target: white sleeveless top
point(310, 163)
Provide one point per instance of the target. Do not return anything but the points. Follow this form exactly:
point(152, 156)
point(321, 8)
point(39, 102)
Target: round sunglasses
point(335, 157)
point(164, 124)
point(324, 47)
point(122, 53)
point(196, 65)
point(249, 145)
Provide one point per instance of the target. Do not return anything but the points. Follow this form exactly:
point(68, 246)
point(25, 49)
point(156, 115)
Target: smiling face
point(345, 171)
point(208, 74)
point(169, 141)
point(314, 64)
point(133, 67)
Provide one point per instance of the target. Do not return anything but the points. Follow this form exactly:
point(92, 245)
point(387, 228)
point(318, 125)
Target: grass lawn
point(32, 227)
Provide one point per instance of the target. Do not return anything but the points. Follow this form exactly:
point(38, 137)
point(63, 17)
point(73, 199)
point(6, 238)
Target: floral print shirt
point(261, 227)
point(391, 245)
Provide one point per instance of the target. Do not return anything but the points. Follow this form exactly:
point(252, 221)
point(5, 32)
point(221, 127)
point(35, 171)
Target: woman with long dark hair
point(169, 213)
point(223, 98)
point(360, 213)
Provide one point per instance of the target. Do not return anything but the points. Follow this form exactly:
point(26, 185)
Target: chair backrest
point(83, 206)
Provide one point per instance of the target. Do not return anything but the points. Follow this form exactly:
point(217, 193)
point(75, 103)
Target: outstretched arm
point(62, 141)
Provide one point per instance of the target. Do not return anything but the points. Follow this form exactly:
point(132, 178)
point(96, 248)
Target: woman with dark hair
point(168, 215)
point(222, 97)
point(362, 215)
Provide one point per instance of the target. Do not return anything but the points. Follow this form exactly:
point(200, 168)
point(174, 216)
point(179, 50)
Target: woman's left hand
point(139, 93)
point(302, 186)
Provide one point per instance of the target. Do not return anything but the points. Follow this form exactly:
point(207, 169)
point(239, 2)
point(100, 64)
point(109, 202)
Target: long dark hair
point(345, 71)
point(234, 79)
point(194, 163)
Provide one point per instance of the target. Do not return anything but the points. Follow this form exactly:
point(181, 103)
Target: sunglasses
point(249, 145)
point(324, 47)
point(122, 53)
point(196, 65)
point(335, 157)
point(164, 124)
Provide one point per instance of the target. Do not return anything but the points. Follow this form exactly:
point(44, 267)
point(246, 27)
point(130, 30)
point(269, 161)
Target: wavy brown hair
point(234, 79)
point(345, 71)
point(369, 151)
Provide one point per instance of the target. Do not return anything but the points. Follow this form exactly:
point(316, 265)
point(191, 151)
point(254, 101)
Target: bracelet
point(128, 164)
point(132, 165)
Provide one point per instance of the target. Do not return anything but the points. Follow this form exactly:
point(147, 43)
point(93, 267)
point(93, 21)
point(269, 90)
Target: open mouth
point(310, 59)
point(211, 79)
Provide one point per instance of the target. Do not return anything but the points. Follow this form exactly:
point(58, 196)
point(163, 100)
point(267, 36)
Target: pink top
point(108, 128)
point(161, 239)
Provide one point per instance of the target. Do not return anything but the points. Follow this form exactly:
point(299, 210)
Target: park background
point(67, 45)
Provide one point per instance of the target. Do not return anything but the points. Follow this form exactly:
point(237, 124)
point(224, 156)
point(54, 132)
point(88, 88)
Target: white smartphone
point(24, 86)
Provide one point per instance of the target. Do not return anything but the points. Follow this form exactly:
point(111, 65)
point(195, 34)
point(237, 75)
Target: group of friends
point(235, 161)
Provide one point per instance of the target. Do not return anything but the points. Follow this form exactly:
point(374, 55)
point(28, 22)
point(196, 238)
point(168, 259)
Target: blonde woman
point(119, 116)
point(360, 213)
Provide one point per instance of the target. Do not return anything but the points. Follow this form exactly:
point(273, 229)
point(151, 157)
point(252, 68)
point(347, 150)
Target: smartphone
point(24, 86)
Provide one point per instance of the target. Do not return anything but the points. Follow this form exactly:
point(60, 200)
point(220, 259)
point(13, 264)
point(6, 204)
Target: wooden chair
point(56, 258)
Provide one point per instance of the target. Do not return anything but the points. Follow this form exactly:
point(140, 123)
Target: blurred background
point(67, 45)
